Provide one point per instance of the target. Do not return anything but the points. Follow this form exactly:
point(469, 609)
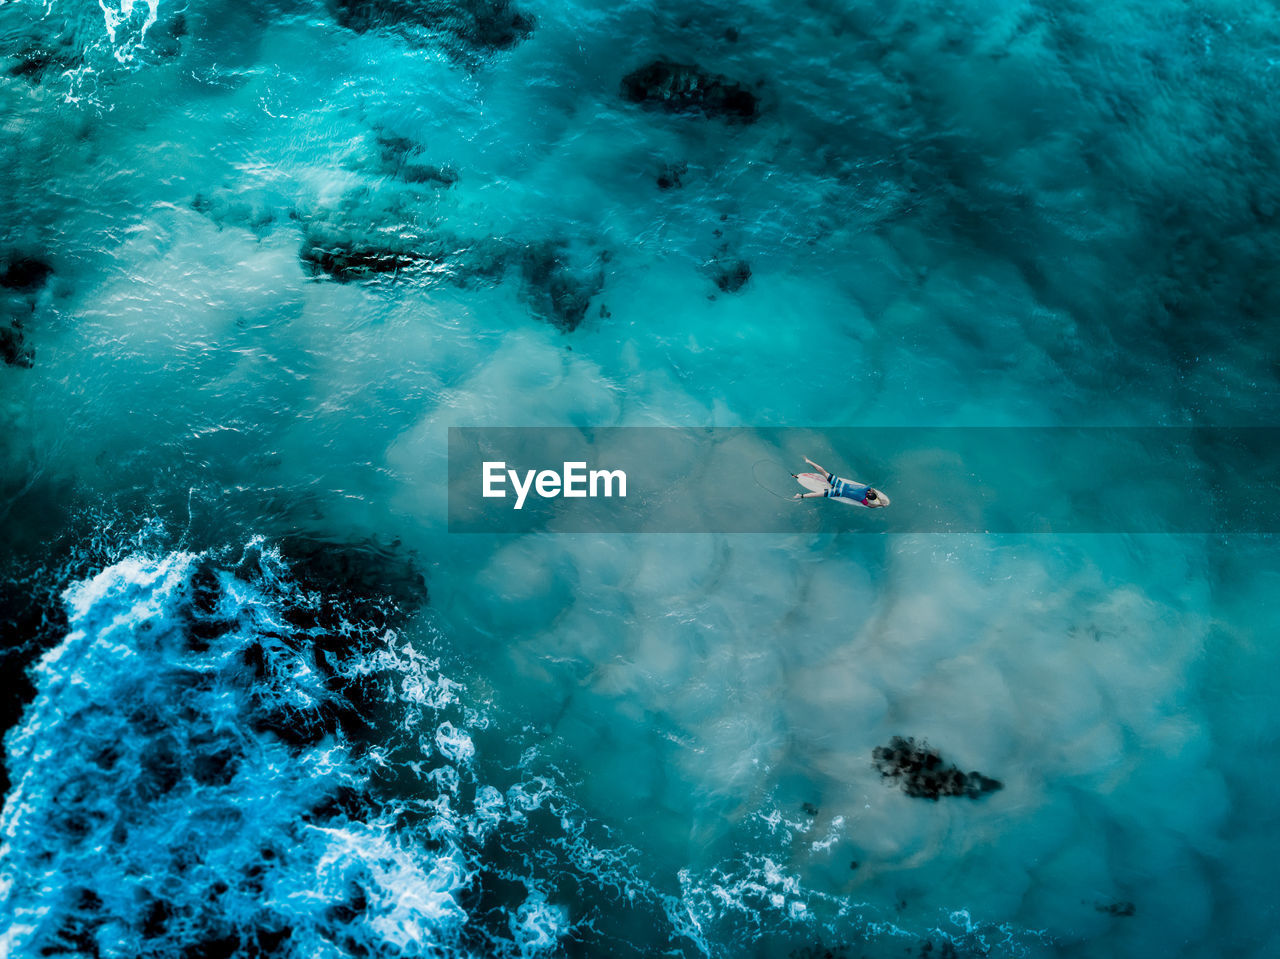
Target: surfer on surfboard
point(835, 487)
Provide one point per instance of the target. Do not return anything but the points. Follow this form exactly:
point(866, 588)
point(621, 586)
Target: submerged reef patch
point(20, 281)
point(731, 275)
point(367, 580)
point(212, 748)
point(34, 62)
point(924, 775)
point(1119, 908)
point(13, 348)
point(403, 159)
point(687, 88)
point(350, 261)
point(557, 279)
point(227, 207)
point(479, 24)
point(672, 175)
point(557, 286)
point(25, 273)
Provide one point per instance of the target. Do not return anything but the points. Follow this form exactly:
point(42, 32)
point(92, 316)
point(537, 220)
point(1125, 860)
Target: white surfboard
point(816, 482)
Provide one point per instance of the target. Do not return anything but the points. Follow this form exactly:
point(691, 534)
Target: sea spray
point(221, 759)
point(952, 214)
point(189, 772)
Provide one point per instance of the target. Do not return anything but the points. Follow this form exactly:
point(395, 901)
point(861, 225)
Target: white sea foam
point(962, 215)
point(143, 743)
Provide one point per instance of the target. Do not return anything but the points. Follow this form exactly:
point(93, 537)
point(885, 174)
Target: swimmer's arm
point(816, 466)
point(810, 495)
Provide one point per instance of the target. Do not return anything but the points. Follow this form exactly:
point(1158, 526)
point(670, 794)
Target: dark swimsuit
point(843, 488)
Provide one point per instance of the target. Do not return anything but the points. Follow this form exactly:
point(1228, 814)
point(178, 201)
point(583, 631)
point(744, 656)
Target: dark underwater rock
point(300, 727)
point(923, 774)
point(32, 65)
point(24, 277)
point(350, 261)
point(946, 950)
point(76, 934)
point(731, 275)
point(558, 288)
point(672, 175)
point(401, 157)
point(1119, 908)
point(269, 940)
point(558, 276)
point(686, 88)
point(819, 951)
point(34, 62)
point(344, 802)
point(155, 918)
point(355, 904)
point(242, 209)
point(204, 623)
point(25, 273)
point(216, 768)
point(363, 580)
point(13, 350)
point(482, 24)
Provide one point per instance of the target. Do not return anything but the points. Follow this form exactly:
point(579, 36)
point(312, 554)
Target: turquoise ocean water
point(255, 259)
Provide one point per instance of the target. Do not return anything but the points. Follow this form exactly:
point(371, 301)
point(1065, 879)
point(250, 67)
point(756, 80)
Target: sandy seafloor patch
point(258, 257)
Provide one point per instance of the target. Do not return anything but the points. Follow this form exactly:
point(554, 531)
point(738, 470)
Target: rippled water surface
point(255, 259)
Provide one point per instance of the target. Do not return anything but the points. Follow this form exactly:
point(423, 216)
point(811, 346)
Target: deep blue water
point(256, 258)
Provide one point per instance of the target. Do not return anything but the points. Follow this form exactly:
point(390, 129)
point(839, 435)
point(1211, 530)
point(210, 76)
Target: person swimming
point(839, 487)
